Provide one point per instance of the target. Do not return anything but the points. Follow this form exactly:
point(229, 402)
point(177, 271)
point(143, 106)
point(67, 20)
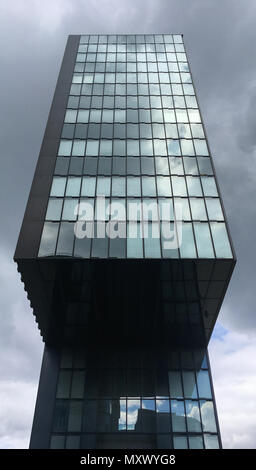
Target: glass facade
point(129, 401)
point(132, 129)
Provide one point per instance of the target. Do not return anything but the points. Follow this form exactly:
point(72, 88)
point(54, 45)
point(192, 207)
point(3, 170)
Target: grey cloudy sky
point(220, 41)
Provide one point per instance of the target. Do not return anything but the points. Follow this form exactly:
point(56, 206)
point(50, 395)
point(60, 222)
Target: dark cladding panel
point(29, 238)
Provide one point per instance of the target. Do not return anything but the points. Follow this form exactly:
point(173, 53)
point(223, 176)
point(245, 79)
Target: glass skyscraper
point(124, 251)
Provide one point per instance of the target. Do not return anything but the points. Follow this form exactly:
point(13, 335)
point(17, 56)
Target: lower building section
point(125, 398)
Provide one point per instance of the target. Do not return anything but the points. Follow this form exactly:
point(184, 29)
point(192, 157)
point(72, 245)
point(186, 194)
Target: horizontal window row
point(132, 89)
point(165, 115)
point(146, 185)
point(168, 47)
point(120, 77)
point(132, 101)
point(137, 131)
point(96, 240)
point(77, 358)
point(138, 415)
point(130, 38)
point(133, 147)
point(133, 166)
point(131, 67)
point(131, 57)
point(207, 441)
point(120, 382)
point(159, 441)
point(148, 209)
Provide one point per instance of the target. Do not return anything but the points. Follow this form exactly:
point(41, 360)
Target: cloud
point(47, 16)
point(17, 400)
point(21, 352)
point(234, 376)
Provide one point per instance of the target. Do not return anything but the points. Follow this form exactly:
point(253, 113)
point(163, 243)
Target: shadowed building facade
point(126, 317)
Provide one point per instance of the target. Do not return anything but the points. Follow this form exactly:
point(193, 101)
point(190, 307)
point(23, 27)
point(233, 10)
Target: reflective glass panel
point(220, 240)
point(178, 416)
point(208, 418)
point(203, 240)
point(193, 416)
point(48, 239)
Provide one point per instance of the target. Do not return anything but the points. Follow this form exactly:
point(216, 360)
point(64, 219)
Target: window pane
point(193, 416)
point(173, 147)
point(148, 186)
point(133, 147)
point(194, 186)
point(73, 186)
point(197, 130)
point(133, 186)
point(179, 186)
point(83, 115)
point(162, 167)
point(152, 241)
point(203, 240)
point(176, 166)
point(65, 148)
point(208, 418)
point(119, 165)
point(203, 383)
point(147, 166)
point(184, 207)
point(146, 147)
point(73, 442)
point(77, 389)
point(103, 186)
point(180, 442)
point(184, 131)
point(164, 186)
point(66, 239)
point(205, 166)
point(78, 148)
point(160, 147)
point(60, 416)
point(58, 186)
point(69, 209)
point(194, 115)
point(64, 382)
point(70, 116)
point(198, 209)
point(214, 209)
point(119, 148)
point(133, 166)
point(211, 441)
point(195, 442)
point(48, 239)
point(68, 131)
point(57, 442)
point(92, 148)
point(209, 186)
point(88, 186)
point(54, 209)
point(105, 148)
point(201, 147)
point(178, 416)
point(76, 166)
point(118, 186)
point(187, 247)
point(189, 383)
point(134, 240)
point(75, 416)
point(175, 384)
point(220, 240)
point(62, 165)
